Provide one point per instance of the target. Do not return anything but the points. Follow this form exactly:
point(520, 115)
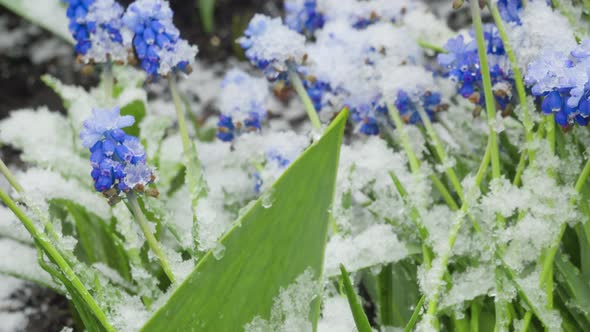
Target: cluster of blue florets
point(76, 12)
point(156, 40)
point(84, 22)
point(242, 104)
point(510, 10)
point(317, 90)
point(272, 47)
point(118, 159)
point(562, 81)
point(461, 64)
point(227, 129)
point(407, 106)
point(303, 16)
point(100, 28)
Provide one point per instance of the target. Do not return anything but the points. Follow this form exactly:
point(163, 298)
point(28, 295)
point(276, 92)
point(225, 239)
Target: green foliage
point(136, 109)
point(270, 245)
point(207, 13)
point(97, 239)
point(360, 319)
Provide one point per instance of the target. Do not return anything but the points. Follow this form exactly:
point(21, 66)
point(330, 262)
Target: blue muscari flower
point(461, 64)
point(272, 47)
point(118, 160)
point(97, 29)
point(510, 10)
point(561, 81)
point(303, 16)
point(156, 40)
point(242, 104)
point(407, 106)
point(369, 117)
point(316, 90)
point(225, 128)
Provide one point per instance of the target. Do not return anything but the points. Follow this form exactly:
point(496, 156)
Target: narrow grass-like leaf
point(97, 240)
point(49, 14)
point(268, 248)
point(360, 318)
point(576, 286)
point(207, 12)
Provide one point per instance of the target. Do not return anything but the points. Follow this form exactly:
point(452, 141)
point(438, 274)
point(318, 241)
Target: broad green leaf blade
point(360, 318)
point(49, 14)
point(266, 250)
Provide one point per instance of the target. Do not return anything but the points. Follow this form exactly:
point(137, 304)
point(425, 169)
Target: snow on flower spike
point(118, 160)
point(98, 30)
point(272, 47)
point(242, 104)
point(510, 10)
point(303, 16)
point(156, 40)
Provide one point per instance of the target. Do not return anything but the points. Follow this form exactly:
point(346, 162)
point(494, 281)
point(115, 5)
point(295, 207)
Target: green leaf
point(360, 318)
point(97, 241)
point(207, 11)
point(136, 109)
point(265, 251)
point(49, 14)
point(576, 285)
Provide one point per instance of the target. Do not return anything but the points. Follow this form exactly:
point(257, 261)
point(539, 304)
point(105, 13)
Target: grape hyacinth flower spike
point(156, 41)
point(303, 16)
point(242, 104)
point(118, 159)
point(280, 53)
point(98, 30)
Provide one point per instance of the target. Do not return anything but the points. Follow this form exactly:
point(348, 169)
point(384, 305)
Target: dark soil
point(21, 87)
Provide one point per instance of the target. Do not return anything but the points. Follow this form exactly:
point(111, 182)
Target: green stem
point(519, 170)
point(416, 218)
point(454, 232)
point(197, 187)
point(518, 80)
point(429, 46)
point(487, 87)
point(307, 103)
point(108, 80)
point(415, 315)
point(501, 321)
point(58, 259)
point(10, 177)
point(444, 192)
point(405, 139)
point(550, 130)
point(151, 239)
point(187, 144)
point(440, 152)
point(583, 177)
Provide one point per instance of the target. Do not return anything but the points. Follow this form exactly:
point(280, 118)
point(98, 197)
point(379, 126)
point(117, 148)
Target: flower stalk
point(306, 100)
point(149, 236)
point(518, 79)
